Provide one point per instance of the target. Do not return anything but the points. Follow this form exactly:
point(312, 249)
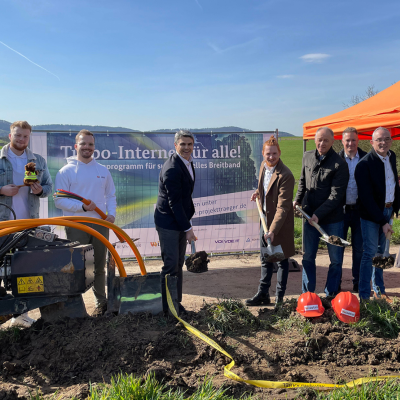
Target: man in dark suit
point(352, 154)
point(174, 210)
point(378, 198)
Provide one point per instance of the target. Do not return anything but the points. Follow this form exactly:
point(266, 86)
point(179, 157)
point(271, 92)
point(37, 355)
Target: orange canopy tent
point(383, 109)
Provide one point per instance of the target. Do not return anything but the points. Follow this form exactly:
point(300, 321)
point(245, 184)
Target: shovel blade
point(140, 293)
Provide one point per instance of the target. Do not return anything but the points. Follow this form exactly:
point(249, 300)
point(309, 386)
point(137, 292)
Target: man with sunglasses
point(378, 198)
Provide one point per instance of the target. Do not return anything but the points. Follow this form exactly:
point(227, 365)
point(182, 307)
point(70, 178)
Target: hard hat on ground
point(310, 305)
point(346, 307)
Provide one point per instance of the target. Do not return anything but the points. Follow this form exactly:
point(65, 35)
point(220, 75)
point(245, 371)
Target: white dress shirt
point(267, 179)
point(389, 178)
point(351, 191)
point(188, 164)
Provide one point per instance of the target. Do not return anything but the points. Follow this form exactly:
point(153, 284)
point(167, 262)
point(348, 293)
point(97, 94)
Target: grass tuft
point(229, 316)
point(383, 390)
point(379, 318)
point(11, 334)
point(128, 387)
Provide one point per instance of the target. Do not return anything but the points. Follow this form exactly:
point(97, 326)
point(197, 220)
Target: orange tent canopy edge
point(383, 109)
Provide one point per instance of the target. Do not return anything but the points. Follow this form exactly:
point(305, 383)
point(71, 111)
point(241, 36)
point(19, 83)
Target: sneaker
point(100, 310)
point(23, 321)
point(383, 296)
point(258, 299)
point(355, 287)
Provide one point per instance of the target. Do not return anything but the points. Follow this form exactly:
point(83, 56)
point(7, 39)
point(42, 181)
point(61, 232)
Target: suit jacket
point(322, 186)
point(174, 207)
point(278, 200)
point(361, 154)
point(371, 185)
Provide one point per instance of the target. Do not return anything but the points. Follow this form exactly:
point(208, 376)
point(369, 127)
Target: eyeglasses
point(384, 140)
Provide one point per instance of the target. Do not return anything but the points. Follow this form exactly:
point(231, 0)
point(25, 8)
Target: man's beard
point(19, 147)
point(271, 165)
point(86, 154)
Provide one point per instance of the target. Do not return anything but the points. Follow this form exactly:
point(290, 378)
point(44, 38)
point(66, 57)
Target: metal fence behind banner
point(226, 164)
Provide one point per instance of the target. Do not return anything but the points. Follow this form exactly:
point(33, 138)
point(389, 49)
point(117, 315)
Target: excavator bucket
point(137, 293)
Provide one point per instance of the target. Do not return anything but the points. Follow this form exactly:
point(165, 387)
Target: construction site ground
point(65, 357)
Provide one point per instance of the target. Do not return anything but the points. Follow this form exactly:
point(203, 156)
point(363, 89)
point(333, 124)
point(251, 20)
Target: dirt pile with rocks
point(64, 357)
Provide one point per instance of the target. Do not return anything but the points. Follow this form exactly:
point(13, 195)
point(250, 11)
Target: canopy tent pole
point(302, 220)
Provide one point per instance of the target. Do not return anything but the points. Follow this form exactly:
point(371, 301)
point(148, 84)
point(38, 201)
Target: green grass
point(128, 387)
point(229, 316)
point(384, 390)
point(379, 318)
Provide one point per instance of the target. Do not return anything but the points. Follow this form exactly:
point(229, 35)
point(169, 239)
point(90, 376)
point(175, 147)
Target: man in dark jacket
point(321, 192)
point(352, 154)
point(378, 198)
point(174, 209)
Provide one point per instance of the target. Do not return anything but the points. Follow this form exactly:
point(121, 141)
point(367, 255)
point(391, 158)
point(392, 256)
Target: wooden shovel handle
point(262, 216)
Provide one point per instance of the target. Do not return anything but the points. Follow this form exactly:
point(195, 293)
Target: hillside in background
point(5, 129)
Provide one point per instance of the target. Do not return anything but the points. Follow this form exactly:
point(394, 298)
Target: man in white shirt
point(352, 154)
point(23, 200)
point(90, 180)
point(378, 198)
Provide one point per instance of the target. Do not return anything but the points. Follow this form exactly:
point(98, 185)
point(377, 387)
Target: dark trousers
point(267, 270)
point(173, 247)
point(352, 221)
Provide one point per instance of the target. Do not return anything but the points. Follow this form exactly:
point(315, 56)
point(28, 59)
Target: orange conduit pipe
point(103, 216)
point(117, 230)
point(8, 227)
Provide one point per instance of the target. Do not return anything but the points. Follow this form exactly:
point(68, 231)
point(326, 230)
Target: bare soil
point(64, 357)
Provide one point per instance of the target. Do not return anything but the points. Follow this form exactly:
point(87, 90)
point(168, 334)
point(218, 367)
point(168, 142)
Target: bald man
point(321, 193)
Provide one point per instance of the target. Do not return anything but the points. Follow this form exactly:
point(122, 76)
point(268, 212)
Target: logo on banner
point(248, 240)
point(155, 244)
point(227, 241)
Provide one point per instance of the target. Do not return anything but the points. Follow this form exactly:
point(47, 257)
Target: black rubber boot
point(259, 299)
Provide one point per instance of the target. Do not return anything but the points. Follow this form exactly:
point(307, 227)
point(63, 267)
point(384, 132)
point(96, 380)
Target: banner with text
point(226, 168)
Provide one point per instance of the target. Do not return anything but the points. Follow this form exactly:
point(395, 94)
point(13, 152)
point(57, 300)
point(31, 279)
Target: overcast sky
point(150, 64)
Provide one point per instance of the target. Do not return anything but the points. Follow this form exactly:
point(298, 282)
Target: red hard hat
point(309, 305)
point(346, 307)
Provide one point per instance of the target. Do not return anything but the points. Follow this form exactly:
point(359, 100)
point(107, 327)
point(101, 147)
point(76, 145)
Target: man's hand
point(314, 218)
point(386, 229)
point(270, 235)
point(110, 218)
point(254, 196)
point(36, 188)
point(90, 207)
point(190, 236)
point(9, 190)
point(295, 203)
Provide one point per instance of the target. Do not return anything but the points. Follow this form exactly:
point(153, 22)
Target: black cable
point(10, 208)
point(16, 239)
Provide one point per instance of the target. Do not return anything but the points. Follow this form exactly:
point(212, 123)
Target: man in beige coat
point(275, 191)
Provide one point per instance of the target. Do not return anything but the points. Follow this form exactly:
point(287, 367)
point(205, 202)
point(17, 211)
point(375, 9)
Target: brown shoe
point(383, 297)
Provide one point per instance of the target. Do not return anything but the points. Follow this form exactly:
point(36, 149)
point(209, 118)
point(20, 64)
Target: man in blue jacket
point(174, 209)
point(378, 198)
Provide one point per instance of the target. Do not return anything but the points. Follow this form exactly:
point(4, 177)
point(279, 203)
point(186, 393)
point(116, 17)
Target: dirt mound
point(67, 355)
point(197, 262)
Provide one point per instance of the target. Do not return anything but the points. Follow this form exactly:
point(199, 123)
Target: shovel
point(385, 260)
point(333, 240)
point(274, 253)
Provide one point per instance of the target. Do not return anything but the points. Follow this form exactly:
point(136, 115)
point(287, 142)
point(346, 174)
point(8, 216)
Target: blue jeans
point(374, 242)
point(352, 221)
point(311, 240)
